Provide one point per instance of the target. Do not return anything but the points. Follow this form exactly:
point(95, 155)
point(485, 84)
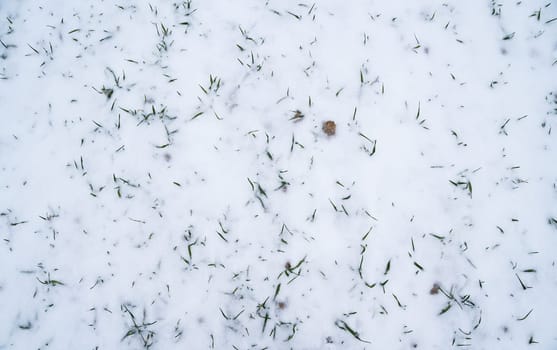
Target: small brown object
point(329, 127)
point(434, 289)
point(298, 115)
point(287, 266)
point(281, 305)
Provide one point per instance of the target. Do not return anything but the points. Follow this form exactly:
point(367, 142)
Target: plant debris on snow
point(172, 176)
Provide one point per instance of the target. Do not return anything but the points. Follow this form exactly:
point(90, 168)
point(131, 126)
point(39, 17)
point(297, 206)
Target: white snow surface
point(165, 181)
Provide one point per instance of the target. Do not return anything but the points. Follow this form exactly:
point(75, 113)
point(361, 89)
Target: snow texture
point(167, 180)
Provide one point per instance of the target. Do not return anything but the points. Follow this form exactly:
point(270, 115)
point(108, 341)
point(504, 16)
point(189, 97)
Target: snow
point(159, 187)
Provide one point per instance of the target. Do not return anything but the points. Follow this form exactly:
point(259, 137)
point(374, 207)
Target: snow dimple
point(277, 175)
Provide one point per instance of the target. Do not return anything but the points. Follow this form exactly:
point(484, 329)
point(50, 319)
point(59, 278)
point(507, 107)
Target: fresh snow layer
point(165, 181)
